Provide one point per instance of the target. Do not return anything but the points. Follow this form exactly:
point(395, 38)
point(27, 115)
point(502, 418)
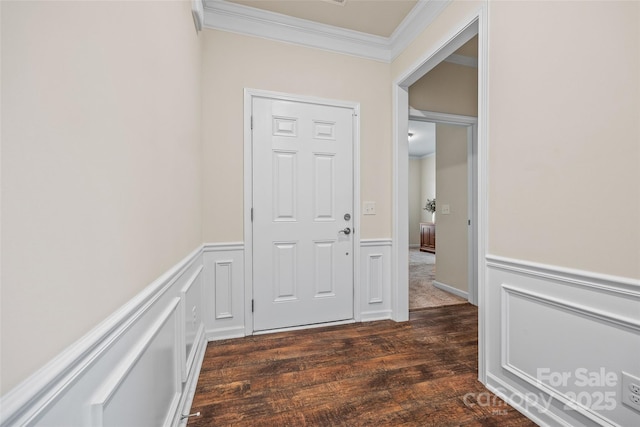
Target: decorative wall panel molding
point(95, 379)
point(191, 316)
point(375, 279)
point(224, 290)
point(559, 327)
point(137, 375)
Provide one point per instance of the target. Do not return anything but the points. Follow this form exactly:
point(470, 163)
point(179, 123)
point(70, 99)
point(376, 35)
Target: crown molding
point(237, 18)
point(197, 10)
point(420, 17)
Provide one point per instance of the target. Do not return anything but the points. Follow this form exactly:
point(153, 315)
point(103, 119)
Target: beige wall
point(447, 88)
point(451, 187)
point(428, 180)
point(577, 168)
point(101, 168)
point(415, 200)
point(233, 62)
point(422, 186)
point(565, 190)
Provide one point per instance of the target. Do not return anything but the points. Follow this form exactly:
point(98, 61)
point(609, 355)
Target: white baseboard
point(451, 290)
point(370, 316)
point(414, 245)
point(225, 333)
point(192, 383)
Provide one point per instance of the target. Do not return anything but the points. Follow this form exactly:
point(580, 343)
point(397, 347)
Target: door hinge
point(252, 306)
point(469, 222)
point(251, 122)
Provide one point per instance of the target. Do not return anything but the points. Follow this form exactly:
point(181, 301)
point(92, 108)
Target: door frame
point(460, 33)
point(471, 123)
point(249, 95)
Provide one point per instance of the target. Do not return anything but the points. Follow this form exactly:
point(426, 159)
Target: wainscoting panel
point(375, 279)
point(224, 290)
point(192, 319)
point(141, 365)
point(137, 375)
point(559, 341)
point(138, 367)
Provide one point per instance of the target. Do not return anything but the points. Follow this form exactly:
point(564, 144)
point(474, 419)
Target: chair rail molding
point(127, 343)
point(563, 321)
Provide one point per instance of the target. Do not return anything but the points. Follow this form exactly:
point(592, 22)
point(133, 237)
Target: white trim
point(374, 315)
point(501, 391)
point(302, 327)
point(451, 290)
point(189, 390)
point(447, 118)
point(420, 17)
point(31, 397)
point(467, 28)
point(482, 187)
point(443, 49)
point(187, 360)
point(581, 310)
point(222, 247)
point(249, 94)
point(248, 210)
point(375, 270)
point(375, 242)
point(226, 333)
point(465, 61)
point(112, 383)
point(622, 286)
point(197, 10)
point(356, 214)
point(400, 206)
point(237, 18)
point(227, 264)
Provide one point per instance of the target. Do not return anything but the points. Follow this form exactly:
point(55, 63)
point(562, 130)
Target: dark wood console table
point(428, 237)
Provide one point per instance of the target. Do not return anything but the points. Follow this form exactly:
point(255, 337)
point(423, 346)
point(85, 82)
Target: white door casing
point(458, 34)
point(303, 244)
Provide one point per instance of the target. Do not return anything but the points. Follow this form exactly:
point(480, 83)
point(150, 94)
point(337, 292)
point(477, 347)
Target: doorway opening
point(466, 29)
point(453, 179)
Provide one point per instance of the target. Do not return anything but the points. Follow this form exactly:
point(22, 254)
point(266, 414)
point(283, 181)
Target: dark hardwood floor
point(417, 373)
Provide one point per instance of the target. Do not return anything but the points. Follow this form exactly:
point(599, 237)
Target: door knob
point(345, 231)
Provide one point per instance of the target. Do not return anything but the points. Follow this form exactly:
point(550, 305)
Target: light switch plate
point(446, 209)
point(369, 208)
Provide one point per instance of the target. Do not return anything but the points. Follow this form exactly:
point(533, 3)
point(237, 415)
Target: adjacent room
point(441, 141)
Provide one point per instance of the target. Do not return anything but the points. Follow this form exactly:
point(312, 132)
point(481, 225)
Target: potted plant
point(431, 207)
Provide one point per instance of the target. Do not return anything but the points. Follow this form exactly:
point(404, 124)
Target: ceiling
point(377, 17)
point(422, 142)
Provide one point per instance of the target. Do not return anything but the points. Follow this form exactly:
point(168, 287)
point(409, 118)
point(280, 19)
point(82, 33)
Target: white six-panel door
point(302, 213)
